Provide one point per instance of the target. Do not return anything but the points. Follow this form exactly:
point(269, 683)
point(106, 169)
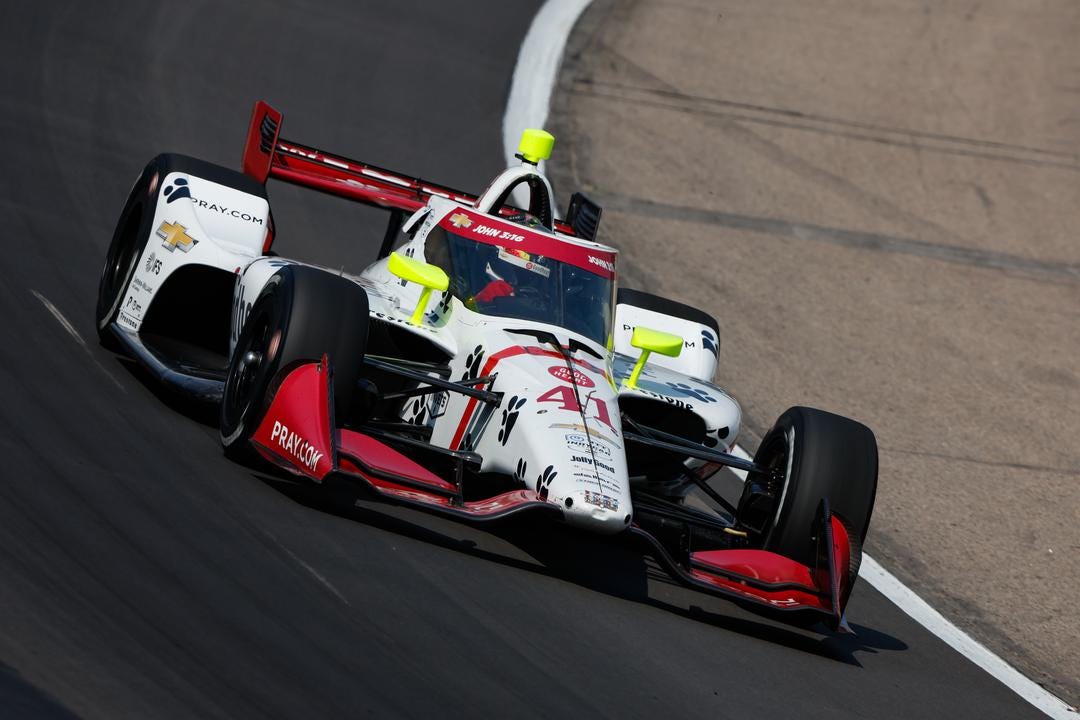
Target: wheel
point(301, 314)
point(816, 455)
point(128, 241)
point(134, 227)
point(655, 303)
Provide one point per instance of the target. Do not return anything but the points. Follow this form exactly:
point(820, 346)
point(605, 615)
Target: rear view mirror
point(429, 277)
point(650, 341)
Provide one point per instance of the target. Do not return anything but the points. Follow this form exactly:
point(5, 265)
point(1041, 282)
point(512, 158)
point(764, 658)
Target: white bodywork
point(196, 222)
point(564, 441)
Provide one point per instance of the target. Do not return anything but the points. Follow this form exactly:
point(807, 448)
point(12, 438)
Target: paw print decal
point(181, 190)
point(710, 343)
point(472, 363)
point(522, 468)
point(509, 418)
point(544, 481)
point(697, 393)
point(418, 412)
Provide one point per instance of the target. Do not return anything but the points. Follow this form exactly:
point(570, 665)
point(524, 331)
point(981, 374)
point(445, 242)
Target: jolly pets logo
point(180, 189)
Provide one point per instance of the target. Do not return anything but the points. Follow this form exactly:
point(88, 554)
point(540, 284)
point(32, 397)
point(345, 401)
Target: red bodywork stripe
point(512, 351)
point(490, 231)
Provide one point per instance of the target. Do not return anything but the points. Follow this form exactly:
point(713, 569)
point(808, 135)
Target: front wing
point(298, 434)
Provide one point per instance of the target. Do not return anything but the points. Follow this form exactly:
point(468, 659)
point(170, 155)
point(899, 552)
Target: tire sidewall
point(830, 457)
point(312, 313)
point(127, 239)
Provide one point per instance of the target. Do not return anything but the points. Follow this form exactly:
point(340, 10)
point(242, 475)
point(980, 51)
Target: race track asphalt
point(143, 575)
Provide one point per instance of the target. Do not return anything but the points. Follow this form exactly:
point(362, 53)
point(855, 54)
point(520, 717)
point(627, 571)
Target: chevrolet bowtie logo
point(175, 236)
point(460, 220)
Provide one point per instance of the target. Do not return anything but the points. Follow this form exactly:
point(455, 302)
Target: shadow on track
point(604, 565)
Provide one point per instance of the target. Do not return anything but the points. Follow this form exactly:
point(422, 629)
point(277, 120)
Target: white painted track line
point(919, 610)
point(530, 100)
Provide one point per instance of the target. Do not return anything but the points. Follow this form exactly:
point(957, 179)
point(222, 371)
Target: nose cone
point(597, 512)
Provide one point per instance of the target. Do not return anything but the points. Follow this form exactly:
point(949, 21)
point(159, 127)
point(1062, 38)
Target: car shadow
point(608, 565)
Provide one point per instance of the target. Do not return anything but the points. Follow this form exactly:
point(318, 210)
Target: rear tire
point(821, 455)
point(301, 314)
point(125, 249)
point(135, 225)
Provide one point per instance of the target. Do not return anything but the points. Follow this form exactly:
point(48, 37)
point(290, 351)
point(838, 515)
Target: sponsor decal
point(583, 460)
point(138, 284)
point(522, 259)
point(128, 320)
point(602, 501)
point(497, 234)
point(601, 262)
point(175, 236)
point(580, 442)
point(179, 189)
point(152, 264)
point(293, 444)
point(402, 321)
point(133, 305)
point(593, 478)
point(576, 427)
point(563, 373)
point(670, 400)
point(230, 212)
point(461, 220)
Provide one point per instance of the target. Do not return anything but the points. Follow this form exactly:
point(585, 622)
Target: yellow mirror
point(650, 341)
point(536, 145)
point(429, 277)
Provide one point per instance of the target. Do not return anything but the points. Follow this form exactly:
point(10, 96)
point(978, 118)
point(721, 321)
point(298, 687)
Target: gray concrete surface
point(879, 201)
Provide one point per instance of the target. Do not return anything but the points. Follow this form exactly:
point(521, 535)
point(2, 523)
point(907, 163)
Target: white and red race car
point(485, 365)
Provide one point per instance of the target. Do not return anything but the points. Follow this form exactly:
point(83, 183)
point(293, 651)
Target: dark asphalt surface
point(143, 575)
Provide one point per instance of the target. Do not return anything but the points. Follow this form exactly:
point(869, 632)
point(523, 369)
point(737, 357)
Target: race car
point(485, 365)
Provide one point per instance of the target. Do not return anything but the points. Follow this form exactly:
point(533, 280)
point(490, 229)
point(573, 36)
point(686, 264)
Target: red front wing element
point(766, 579)
point(297, 434)
point(267, 155)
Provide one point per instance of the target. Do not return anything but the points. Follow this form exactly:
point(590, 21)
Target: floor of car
point(186, 357)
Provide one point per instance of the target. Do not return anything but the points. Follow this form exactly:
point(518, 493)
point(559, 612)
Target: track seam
point(527, 106)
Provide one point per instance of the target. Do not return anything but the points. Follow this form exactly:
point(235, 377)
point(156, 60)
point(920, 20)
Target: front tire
point(301, 314)
point(818, 455)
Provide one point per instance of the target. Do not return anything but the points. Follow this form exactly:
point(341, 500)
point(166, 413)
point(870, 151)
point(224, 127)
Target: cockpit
point(494, 271)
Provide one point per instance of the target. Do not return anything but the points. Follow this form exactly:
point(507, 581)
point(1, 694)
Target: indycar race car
point(485, 365)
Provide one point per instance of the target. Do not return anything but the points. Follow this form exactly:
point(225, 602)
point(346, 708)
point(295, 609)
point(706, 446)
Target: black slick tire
point(821, 455)
point(301, 314)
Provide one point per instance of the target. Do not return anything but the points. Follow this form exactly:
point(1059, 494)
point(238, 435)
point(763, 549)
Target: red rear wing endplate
point(267, 155)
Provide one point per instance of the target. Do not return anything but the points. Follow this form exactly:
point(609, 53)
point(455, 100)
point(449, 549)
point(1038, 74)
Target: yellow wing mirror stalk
point(650, 341)
point(429, 277)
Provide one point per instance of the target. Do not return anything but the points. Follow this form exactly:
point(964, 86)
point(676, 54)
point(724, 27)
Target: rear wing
point(268, 155)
